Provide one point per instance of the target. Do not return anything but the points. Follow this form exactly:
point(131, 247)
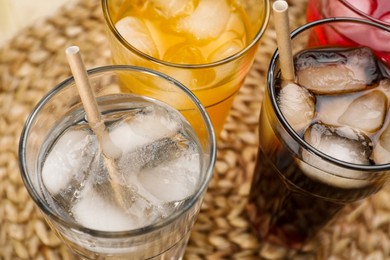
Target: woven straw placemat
point(34, 61)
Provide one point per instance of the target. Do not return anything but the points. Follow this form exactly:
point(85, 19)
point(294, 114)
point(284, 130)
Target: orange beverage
point(208, 45)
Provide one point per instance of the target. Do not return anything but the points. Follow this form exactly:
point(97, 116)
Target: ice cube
point(207, 21)
point(329, 108)
point(232, 41)
point(184, 53)
point(236, 25)
point(129, 132)
point(68, 159)
point(226, 50)
point(131, 164)
point(123, 136)
point(137, 34)
point(343, 143)
point(333, 72)
point(155, 153)
point(297, 105)
point(381, 152)
point(366, 112)
point(172, 181)
point(94, 212)
point(173, 8)
point(126, 193)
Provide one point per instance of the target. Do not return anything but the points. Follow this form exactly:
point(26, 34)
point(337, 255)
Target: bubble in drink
point(330, 72)
point(159, 168)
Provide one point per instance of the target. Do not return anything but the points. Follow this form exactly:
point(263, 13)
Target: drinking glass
point(374, 10)
point(297, 189)
point(212, 65)
point(165, 239)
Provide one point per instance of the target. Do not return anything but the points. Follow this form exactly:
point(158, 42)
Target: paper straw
point(110, 151)
point(282, 28)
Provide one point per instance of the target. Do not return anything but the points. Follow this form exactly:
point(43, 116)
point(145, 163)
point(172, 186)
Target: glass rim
point(127, 233)
point(363, 14)
point(271, 90)
point(128, 46)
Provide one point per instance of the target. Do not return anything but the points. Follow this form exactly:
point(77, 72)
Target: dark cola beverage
point(337, 130)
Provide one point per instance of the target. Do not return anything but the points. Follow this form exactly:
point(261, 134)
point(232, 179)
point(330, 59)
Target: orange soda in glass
point(208, 45)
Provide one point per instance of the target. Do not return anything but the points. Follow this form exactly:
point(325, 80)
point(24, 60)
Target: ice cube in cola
point(159, 168)
point(344, 94)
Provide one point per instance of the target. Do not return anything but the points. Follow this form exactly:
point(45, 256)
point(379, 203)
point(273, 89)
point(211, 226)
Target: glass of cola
point(324, 139)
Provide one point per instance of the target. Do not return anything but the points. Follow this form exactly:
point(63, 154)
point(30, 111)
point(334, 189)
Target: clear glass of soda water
point(167, 161)
point(208, 45)
point(300, 184)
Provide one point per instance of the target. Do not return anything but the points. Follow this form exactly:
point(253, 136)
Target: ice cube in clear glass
point(173, 180)
point(68, 159)
point(129, 132)
point(143, 151)
point(95, 212)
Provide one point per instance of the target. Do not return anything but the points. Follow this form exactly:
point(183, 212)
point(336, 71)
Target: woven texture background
point(34, 61)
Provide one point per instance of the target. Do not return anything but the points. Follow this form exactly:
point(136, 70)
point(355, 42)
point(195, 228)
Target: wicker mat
point(34, 61)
